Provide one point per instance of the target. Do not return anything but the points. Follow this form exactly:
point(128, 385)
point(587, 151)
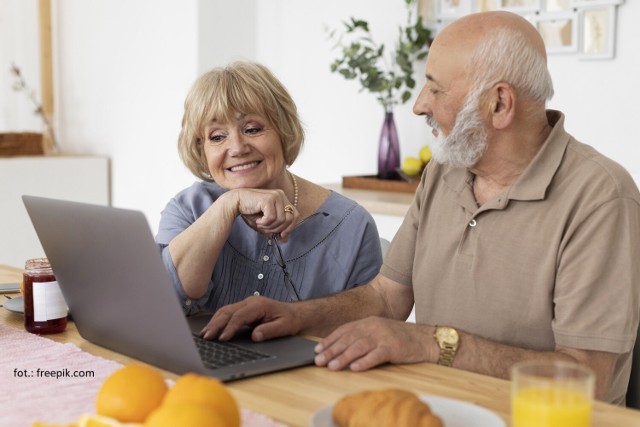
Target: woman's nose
point(238, 145)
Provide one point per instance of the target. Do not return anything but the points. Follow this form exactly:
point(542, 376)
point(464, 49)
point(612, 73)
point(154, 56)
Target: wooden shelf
point(372, 182)
point(21, 144)
point(380, 202)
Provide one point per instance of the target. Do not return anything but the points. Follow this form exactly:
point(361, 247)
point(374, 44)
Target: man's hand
point(273, 319)
point(366, 343)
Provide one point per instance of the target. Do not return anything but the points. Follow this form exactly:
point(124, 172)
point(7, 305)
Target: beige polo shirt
point(554, 260)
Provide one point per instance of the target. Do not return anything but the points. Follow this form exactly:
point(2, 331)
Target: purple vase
point(388, 149)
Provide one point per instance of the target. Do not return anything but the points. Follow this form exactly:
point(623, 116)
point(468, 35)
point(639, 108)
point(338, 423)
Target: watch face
point(448, 335)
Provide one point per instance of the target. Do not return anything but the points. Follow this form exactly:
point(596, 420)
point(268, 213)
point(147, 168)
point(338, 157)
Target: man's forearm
point(319, 317)
point(490, 358)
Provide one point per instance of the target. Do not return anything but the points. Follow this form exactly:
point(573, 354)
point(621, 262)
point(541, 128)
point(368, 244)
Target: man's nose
point(421, 106)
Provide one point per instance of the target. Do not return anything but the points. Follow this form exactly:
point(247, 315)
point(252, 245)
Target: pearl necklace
point(295, 189)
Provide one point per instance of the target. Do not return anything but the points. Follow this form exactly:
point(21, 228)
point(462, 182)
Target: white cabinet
point(76, 178)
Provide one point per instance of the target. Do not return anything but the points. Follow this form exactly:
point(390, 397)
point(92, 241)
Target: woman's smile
point(244, 166)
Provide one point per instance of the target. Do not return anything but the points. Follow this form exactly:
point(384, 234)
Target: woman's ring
point(288, 209)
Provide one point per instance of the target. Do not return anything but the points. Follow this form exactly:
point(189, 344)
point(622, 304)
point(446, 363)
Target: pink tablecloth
point(44, 380)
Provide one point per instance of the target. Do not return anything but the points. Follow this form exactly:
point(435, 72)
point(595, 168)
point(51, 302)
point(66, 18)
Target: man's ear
point(503, 99)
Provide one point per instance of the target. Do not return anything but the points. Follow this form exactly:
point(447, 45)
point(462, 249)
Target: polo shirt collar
point(536, 178)
point(533, 183)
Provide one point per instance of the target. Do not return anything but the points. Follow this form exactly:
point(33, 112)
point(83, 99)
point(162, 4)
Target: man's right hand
point(271, 319)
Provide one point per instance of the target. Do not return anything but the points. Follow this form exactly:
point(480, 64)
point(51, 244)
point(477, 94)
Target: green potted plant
point(387, 75)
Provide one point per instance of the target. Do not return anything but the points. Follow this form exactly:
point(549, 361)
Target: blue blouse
point(335, 249)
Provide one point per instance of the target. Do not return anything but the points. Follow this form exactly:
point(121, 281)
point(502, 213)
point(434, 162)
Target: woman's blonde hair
point(240, 87)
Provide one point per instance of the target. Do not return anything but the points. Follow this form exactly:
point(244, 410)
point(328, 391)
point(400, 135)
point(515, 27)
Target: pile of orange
point(138, 396)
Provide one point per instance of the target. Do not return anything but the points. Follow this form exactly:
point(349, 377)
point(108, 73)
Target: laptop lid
point(111, 274)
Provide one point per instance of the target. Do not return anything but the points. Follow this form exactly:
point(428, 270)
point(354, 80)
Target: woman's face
point(246, 153)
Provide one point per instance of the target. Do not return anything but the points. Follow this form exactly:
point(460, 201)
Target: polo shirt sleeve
point(596, 295)
point(398, 263)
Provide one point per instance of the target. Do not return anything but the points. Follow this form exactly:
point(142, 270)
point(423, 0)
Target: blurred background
point(122, 68)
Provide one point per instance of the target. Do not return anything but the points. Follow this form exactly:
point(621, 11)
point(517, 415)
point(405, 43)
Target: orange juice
point(550, 407)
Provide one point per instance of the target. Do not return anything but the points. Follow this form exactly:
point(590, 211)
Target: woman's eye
point(252, 130)
point(216, 137)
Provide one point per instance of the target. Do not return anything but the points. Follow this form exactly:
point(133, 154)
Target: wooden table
point(293, 396)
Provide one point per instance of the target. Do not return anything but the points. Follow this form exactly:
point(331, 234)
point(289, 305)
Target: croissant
point(384, 408)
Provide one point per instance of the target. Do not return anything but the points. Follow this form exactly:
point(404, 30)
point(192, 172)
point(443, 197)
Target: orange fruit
point(131, 393)
point(92, 420)
point(206, 391)
point(189, 414)
point(41, 424)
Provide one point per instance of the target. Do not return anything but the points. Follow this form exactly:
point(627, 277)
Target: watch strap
point(447, 353)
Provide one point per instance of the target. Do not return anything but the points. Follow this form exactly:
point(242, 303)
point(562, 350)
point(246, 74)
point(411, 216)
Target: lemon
point(411, 166)
point(425, 154)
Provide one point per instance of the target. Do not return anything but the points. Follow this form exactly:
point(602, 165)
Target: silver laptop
point(119, 294)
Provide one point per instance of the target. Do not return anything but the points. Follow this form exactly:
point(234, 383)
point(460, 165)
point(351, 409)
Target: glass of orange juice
point(551, 394)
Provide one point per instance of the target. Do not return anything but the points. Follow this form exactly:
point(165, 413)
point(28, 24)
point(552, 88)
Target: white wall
point(21, 48)
point(123, 69)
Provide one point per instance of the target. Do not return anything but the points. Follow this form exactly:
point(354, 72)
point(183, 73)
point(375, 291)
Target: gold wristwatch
point(448, 340)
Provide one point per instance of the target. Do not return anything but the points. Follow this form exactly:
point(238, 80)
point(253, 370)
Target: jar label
point(48, 302)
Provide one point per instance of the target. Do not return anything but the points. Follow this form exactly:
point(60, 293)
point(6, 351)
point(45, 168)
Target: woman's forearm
point(195, 251)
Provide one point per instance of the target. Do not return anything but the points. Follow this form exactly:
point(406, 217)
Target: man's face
point(467, 141)
point(451, 107)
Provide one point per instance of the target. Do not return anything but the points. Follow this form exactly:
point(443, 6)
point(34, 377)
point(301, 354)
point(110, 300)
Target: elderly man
point(523, 242)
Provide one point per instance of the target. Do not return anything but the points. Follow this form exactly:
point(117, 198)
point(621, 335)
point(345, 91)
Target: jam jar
point(45, 310)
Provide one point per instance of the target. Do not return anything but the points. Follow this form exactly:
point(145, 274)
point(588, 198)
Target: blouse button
point(269, 242)
point(256, 293)
point(473, 223)
point(265, 258)
point(260, 276)
point(187, 302)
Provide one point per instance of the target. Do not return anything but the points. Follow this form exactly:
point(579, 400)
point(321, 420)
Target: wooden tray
point(21, 144)
point(372, 182)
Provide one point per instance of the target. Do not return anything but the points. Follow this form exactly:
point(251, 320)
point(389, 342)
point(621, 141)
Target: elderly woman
point(251, 227)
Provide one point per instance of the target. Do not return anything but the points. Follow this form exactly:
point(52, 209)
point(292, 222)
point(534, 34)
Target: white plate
point(15, 304)
point(454, 413)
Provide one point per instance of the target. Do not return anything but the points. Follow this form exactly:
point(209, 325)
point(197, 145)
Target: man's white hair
point(507, 56)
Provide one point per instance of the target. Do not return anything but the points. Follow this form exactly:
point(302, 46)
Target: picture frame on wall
point(583, 3)
point(559, 32)
point(488, 5)
point(520, 6)
point(556, 5)
point(584, 27)
point(427, 10)
point(597, 38)
point(451, 9)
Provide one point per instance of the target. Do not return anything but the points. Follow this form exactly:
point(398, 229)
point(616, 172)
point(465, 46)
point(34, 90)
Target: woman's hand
point(266, 211)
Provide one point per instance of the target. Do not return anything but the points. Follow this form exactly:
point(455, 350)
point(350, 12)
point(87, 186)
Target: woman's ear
point(502, 105)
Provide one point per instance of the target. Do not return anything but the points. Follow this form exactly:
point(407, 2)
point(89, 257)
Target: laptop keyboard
point(218, 354)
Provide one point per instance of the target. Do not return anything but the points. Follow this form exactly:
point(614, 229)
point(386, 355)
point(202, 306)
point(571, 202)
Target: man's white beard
point(467, 141)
